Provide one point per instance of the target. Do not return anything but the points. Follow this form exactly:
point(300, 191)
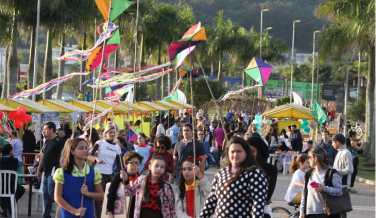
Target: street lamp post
point(313, 64)
point(263, 10)
point(36, 50)
point(292, 56)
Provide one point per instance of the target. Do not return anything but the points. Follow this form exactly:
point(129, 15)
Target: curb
point(367, 181)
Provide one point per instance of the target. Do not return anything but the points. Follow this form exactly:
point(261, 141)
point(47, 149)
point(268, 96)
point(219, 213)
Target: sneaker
point(353, 190)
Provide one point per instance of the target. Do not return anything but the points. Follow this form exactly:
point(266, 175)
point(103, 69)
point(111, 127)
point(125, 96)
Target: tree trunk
point(12, 64)
point(4, 93)
point(82, 66)
point(212, 68)
point(158, 81)
point(48, 68)
point(59, 89)
point(369, 146)
point(220, 74)
point(30, 70)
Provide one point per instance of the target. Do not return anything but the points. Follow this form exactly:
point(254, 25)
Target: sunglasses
point(160, 148)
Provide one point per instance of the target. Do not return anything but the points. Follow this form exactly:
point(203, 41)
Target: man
point(49, 162)
point(212, 126)
point(246, 116)
point(230, 134)
point(229, 116)
point(239, 132)
point(184, 149)
point(175, 132)
point(110, 121)
point(149, 99)
point(186, 118)
point(296, 139)
point(332, 115)
point(9, 162)
point(309, 145)
point(126, 126)
point(343, 162)
point(207, 120)
point(340, 122)
point(17, 147)
point(326, 144)
point(200, 123)
point(218, 138)
point(161, 128)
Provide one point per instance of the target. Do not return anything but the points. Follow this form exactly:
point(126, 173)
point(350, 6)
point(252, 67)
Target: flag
point(319, 113)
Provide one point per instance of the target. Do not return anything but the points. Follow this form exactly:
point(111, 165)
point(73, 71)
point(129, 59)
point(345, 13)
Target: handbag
point(336, 204)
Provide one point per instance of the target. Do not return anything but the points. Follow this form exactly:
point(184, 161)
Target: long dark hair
point(94, 136)
point(181, 185)
point(245, 165)
point(70, 145)
point(320, 153)
point(146, 196)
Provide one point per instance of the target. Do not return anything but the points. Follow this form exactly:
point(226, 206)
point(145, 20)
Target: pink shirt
point(219, 136)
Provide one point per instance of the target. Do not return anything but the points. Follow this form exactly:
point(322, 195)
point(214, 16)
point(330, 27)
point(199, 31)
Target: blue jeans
point(48, 195)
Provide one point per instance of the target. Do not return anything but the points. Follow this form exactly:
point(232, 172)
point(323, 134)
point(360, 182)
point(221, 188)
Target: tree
point(352, 24)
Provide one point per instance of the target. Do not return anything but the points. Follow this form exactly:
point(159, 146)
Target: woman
point(67, 129)
point(261, 155)
point(108, 152)
point(143, 149)
point(311, 204)
point(123, 149)
point(239, 170)
point(284, 134)
point(162, 145)
point(17, 147)
point(268, 136)
point(91, 139)
point(354, 148)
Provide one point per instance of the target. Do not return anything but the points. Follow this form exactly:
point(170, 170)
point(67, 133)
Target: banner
point(51, 117)
point(37, 126)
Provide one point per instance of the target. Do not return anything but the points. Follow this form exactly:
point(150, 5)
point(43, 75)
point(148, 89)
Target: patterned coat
point(166, 197)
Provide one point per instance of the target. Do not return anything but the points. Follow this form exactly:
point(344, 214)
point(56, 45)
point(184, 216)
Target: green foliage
point(283, 100)
point(357, 109)
point(201, 93)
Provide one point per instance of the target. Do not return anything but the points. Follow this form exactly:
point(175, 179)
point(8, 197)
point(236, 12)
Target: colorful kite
point(186, 72)
point(259, 71)
point(116, 94)
point(133, 132)
point(181, 49)
point(239, 91)
point(117, 7)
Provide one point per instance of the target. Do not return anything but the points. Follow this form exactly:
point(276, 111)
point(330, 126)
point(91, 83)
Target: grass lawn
point(366, 174)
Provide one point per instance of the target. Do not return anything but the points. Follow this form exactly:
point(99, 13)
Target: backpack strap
point(306, 178)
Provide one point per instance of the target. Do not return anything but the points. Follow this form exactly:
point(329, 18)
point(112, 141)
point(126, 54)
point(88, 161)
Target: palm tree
point(222, 41)
point(352, 25)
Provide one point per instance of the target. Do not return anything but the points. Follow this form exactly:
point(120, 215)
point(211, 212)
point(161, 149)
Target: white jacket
point(343, 163)
point(202, 192)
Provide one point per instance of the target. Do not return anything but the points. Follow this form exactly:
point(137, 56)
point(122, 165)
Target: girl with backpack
point(70, 182)
point(154, 196)
point(188, 202)
point(312, 202)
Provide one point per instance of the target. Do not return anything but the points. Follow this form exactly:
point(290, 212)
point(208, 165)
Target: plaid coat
point(166, 197)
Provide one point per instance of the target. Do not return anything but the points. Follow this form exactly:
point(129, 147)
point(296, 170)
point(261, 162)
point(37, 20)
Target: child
point(132, 160)
point(154, 197)
point(298, 168)
point(185, 191)
point(70, 182)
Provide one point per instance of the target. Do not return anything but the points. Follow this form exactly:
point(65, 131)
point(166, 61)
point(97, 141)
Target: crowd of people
point(164, 174)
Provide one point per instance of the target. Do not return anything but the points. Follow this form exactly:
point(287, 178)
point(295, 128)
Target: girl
point(132, 160)
point(108, 152)
point(298, 168)
point(260, 153)
point(154, 197)
point(187, 198)
point(161, 148)
point(236, 183)
point(143, 149)
point(354, 148)
point(208, 134)
point(91, 139)
point(311, 205)
point(70, 182)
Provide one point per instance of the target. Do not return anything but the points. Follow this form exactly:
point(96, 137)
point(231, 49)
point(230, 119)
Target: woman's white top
point(293, 189)
point(107, 152)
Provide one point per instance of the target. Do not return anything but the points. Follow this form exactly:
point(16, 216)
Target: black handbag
point(336, 204)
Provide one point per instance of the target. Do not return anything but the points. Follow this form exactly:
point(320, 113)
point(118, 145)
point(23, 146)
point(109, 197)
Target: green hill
point(246, 13)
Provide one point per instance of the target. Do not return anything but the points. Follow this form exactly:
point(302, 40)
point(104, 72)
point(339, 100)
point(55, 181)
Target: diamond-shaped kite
point(133, 133)
point(186, 72)
point(259, 70)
